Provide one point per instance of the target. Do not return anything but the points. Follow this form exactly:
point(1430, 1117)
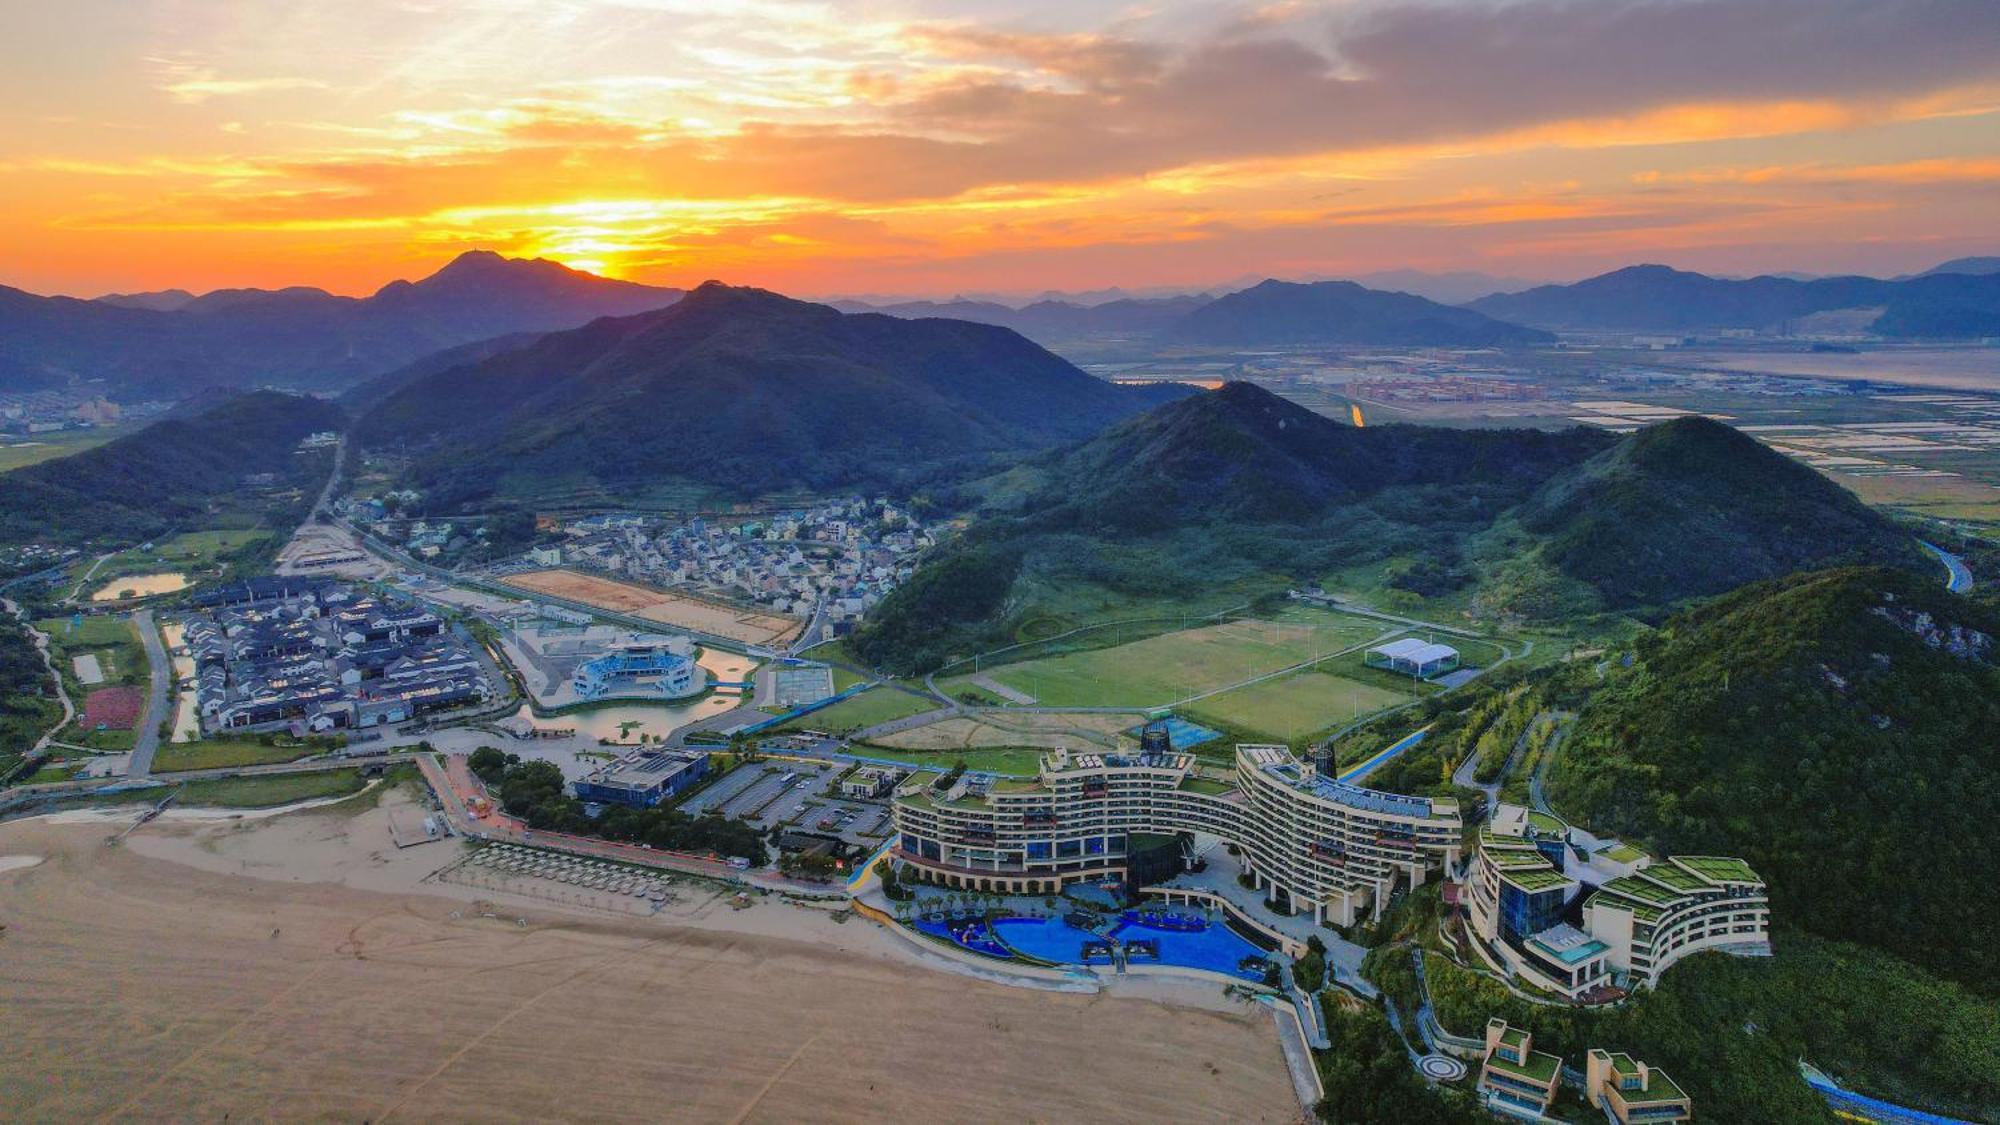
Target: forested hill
point(1243, 454)
point(1241, 485)
point(1236, 486)
point(1838, 730)
point(1693, 507)
point(744, 391)
point(174, 472)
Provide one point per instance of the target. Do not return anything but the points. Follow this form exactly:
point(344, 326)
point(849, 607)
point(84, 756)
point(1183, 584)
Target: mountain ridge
point(1658, 298)
point(300, 337)
point(776, 393)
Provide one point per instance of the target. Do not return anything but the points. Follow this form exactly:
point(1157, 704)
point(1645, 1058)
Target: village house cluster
point(845, 555)
point(319, 657)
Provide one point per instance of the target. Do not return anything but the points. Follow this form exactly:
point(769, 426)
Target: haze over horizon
point(926, 147)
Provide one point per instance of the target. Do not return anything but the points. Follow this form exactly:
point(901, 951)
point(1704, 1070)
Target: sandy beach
point(300, 966)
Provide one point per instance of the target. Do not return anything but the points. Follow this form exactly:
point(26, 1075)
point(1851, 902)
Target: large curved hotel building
point(1635, 915)
point(1311, 843)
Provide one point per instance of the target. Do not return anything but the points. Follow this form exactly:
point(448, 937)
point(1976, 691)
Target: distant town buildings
point(838, 559)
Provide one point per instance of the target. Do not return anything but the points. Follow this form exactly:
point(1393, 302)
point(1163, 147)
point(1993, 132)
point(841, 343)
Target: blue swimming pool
point(1214, 947)
point(974, 935)
point(1183, 940)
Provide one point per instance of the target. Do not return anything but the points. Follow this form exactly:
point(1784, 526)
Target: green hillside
point(185, 471)
point(1837, 729)
point(743, 391)
point(1204, 503)
point(1240, 490)
point(1693, 507)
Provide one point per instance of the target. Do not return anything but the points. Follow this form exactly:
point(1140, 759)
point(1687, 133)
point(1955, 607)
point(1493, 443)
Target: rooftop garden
point(1726, 869)
point(1676, 878)
point(1540, 1066)
point(1541, 880)
point(1622, 852)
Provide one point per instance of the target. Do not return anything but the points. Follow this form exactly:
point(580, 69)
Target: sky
point(934, 147)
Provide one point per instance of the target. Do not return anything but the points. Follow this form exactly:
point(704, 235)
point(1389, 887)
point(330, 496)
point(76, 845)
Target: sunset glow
point(936, 146)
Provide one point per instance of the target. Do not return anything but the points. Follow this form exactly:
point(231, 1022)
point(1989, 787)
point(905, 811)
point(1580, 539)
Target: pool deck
point(1342, 956)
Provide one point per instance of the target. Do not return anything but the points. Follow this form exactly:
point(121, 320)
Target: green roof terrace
point(1540, 880)
point(1659, 1088)
point(1634, 887)
point(1538, 1066)
point(1642, 911)
point(1546, 824)
point(1621, 852)
point(1681, 880)
point(1721, 869)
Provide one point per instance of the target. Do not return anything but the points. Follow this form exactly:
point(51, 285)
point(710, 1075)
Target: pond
point(139, 586)
point(625, 722)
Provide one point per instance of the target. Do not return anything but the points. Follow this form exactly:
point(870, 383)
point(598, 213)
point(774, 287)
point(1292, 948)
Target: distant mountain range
point(169, 344)
point(1656, 298)
point(1268, 313)
point(1051, 321)
point(742, 392)
point(1340, 312)
point(1241, 486)
point(1975, 266)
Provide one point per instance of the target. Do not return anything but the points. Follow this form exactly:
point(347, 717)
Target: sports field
point(1162, 670)
point(876, 705)
point(681, 611)
point(1294, 707)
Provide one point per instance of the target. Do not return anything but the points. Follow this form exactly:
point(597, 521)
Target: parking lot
point(795, 795)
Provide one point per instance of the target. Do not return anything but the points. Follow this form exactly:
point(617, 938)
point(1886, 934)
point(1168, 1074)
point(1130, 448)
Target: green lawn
point(1294, 707)
point(100, 739)
point(1159, 670)
point(95, 631)
point(52, 770)
point(112, 639)
point(20, 451)
point(217, 753)
point(1011, 760)
point(187, 553)
point(266, 792)
point(876, 705)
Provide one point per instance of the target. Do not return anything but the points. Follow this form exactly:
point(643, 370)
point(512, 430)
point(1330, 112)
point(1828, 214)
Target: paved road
point(1958, 576)
point(160, 671)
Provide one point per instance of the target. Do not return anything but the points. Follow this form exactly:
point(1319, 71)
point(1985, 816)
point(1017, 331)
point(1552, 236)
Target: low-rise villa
point(1516, 1078)
point(1631, 1091)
